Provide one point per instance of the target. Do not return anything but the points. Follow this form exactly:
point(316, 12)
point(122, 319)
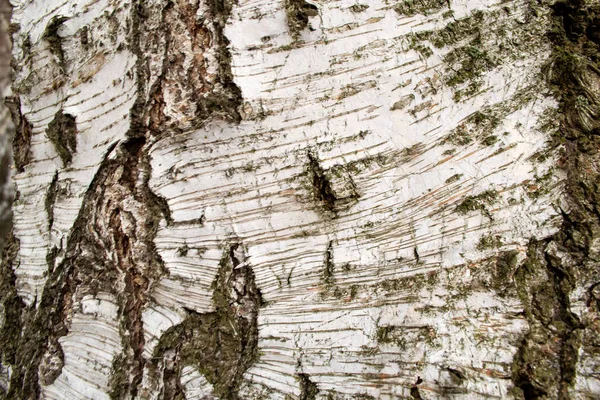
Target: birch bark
point(303, 200)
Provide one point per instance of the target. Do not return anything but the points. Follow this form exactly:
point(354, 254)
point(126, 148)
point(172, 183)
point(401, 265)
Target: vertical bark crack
point(546, 363)
point(22, 139)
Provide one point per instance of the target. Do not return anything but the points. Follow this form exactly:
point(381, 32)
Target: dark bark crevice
point(546, 363)
point(308, 389)
point(13, 309)
point(321, 183)
point(197, 97)
point(62, 132)
point(22, 138)
point(298, 13)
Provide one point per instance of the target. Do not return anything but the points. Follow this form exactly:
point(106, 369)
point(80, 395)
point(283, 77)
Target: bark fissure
point(101, 256)
point(323, 190)
point(556, 266)
point(185, 94)
point(50, 200)
point(22, 138)
point(62, 132)
point(54, 40)
point(13, 310)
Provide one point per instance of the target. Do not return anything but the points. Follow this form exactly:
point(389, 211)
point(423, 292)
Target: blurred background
point(6, 126)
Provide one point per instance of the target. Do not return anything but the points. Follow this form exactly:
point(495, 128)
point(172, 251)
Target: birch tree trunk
point(303, 200)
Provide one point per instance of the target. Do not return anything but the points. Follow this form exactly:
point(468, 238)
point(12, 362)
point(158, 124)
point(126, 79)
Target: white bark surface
point(372, 185)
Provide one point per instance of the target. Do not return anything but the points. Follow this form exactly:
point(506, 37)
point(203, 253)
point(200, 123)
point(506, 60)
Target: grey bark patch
point(62, 132)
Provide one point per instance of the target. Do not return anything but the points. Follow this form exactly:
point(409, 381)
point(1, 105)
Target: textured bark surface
point(303, 199)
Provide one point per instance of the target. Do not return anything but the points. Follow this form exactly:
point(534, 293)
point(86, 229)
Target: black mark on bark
point(62, 132)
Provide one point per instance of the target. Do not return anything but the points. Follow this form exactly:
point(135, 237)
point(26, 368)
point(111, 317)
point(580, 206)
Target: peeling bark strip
point(547, 363)
point(221, 344)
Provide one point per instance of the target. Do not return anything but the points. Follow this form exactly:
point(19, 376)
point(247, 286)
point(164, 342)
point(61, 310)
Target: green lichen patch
point(478, 43)
point(458, 30)
point(425, 7)
point(467, 64)
point(403, 336)
point(489, 242)
point(62, 132)
point(455, 32)
point(417, 42)
point(542, 185)
point(478, 202)
point(479, 126)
